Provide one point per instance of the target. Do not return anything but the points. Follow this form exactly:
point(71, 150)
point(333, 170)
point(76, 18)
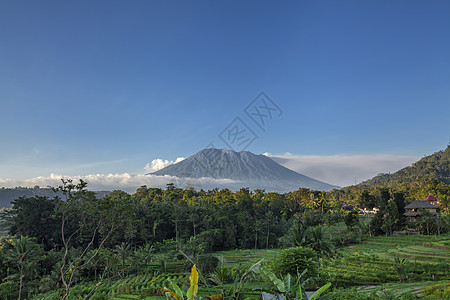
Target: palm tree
point(317, 241)
point(144, 256)
point(24, 250)
point(123, 250)
point(318, 200)
point(298, 235)
point(95, 262)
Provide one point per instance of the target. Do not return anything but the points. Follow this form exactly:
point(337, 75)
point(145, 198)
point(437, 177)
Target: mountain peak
point(247, 168)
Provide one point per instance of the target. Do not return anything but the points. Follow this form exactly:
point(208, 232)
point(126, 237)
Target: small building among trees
point(418, 207)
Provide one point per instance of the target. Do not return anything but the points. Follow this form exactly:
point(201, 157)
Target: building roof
point(431, 198)
point(420, 204)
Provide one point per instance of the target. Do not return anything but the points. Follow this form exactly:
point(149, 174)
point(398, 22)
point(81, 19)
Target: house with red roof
point(431, 199)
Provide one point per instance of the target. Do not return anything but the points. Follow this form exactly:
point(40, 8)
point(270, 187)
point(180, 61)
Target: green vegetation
point(363, 268)
point(435, 166)
point(416, 290)
point(293, 287)
point(291, 261)
point(7, 195)
point(380, 277)
point(142, 245)
point(423, 248)
point(245, 258)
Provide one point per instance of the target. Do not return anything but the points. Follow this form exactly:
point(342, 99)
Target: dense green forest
point(435, 166)
point(7, 195)
point(57, 243)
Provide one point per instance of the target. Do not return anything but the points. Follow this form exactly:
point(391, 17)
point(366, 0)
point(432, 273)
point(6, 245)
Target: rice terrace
point(371, 263)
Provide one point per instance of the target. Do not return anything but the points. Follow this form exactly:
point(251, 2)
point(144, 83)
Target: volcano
point(243, 169)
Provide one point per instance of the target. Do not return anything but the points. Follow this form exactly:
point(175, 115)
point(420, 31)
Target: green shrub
point(295, 260)
point(8, 290)
point(207, 263)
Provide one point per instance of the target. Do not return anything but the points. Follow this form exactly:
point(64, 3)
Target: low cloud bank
point(125, 181)
point(343, 169)
point(333, 169)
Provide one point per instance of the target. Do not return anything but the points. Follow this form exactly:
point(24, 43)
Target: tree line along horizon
point(197, 222)
point(165, 209)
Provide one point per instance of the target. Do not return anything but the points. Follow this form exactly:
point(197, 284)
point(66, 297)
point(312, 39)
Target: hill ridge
point(436, 165)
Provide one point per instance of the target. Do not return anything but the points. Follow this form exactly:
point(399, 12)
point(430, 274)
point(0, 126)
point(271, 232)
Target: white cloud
point(158, 164)
point(179, 159)
point(342, 169)
point(124, 181)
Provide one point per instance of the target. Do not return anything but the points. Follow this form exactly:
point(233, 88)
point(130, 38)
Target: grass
point(390, 291)
point(372, 261)
point(422, 248)
point(401, 288)
point(118, 297)
point(245, 258)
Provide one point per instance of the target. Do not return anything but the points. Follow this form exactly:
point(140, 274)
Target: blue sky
point(92, 87)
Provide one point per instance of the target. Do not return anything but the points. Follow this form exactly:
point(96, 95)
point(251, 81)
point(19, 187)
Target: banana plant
point(235, 291)
point(178, 294)
point(291, 287)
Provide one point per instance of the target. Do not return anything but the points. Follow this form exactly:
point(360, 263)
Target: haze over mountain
point(436, 165)
point(244, 169)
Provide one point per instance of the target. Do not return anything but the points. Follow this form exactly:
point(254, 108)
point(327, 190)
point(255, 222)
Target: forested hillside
point(435, 166)
point(7, 195)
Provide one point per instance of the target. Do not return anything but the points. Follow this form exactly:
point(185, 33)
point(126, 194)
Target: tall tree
point(24, 250)
point(34, 217)
point(367, 200)
point(399, 200)
point(390, 217)
point(98, 219)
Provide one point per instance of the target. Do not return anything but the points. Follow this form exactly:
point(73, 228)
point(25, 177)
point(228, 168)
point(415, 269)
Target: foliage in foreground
point(293, 287)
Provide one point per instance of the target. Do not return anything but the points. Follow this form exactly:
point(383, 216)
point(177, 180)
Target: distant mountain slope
point(251, 170)
point(435, 166)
